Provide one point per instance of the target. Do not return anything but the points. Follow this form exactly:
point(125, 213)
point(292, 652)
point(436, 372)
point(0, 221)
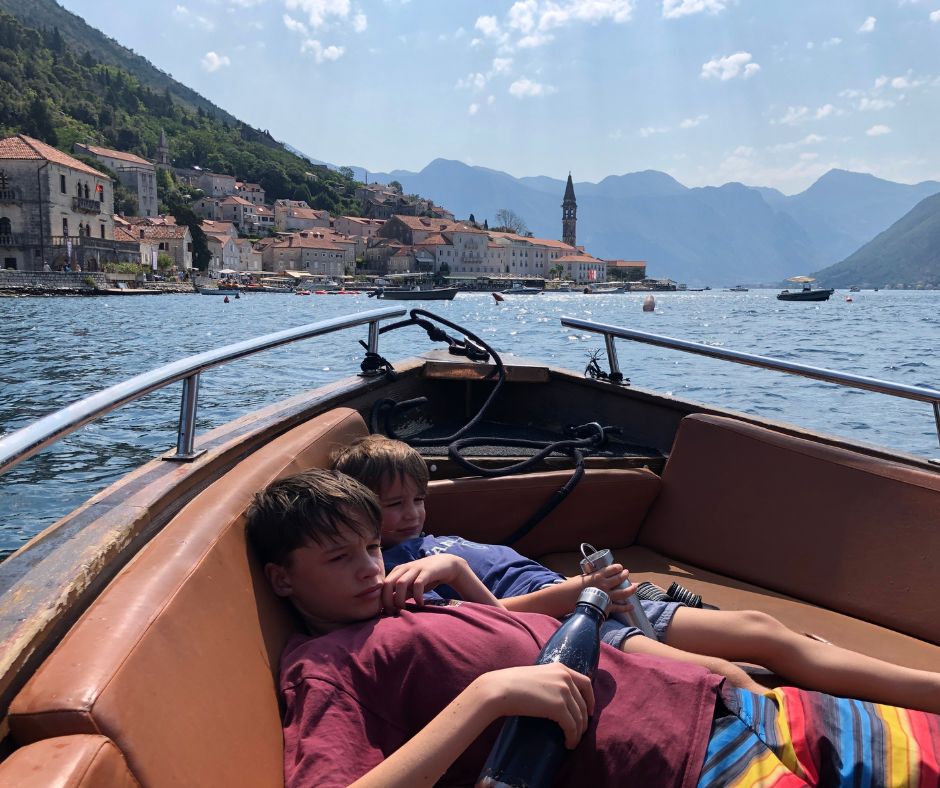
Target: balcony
point(9, 195)
point(85, 206)
point(12, 239)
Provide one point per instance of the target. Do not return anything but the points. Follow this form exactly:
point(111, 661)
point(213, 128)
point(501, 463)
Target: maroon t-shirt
point(356, 695)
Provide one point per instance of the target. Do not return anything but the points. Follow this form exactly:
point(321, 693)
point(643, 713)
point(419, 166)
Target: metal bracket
point(187, 424)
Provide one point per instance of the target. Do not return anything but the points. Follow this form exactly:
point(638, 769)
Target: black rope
point(585, 438)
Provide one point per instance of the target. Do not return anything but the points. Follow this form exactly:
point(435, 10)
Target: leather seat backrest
point(605, 508)
point(176, 661)
point(848, 532)
point(82, 761)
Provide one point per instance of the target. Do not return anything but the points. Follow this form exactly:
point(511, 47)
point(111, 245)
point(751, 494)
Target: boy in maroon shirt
point(392, 693)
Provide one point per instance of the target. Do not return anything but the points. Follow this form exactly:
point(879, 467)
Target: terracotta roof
point(435, 225)
point(212, 226)
point(232, 200)
point(162, 232)
point(434, 239)
point(116, 154)
point(305, 213)
point(219, 239)
point(577, 258)
point(120, 234)
point(23, 147)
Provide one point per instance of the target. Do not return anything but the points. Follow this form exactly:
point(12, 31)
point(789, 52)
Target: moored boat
point(415, 293)
point(518, 288)
point(151, 590)
point(806, 293)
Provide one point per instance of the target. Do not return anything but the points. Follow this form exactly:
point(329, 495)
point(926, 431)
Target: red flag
point(592, 274)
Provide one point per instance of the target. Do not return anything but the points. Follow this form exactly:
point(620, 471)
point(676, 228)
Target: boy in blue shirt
point(398, 475)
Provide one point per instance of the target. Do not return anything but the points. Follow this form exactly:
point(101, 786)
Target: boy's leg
point(821, 740)
point(751, 636)
point(639, 644)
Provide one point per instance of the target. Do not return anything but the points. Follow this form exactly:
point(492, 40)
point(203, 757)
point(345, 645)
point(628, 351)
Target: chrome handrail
point(27, 441)
point(610, 332)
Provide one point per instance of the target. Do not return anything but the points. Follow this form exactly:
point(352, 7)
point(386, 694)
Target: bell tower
point(569, 215)
point(163, 151)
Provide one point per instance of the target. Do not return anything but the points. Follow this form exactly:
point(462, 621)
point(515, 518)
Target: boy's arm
point(560, 599)
point(551, 691)
point(411, 580)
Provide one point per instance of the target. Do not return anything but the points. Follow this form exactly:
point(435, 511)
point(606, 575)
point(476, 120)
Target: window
point(5, 226)
point(65, 226)
point(86, 191)
point(102, 231)
point(62, 184)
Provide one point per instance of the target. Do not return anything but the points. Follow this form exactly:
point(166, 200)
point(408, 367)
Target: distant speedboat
point(854, 289)
point(737, 289)
point(806, 293)
point(519, 289)
point(222, 291)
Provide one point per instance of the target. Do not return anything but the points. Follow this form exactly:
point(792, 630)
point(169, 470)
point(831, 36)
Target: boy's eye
point(336, 558)
point(374, 547)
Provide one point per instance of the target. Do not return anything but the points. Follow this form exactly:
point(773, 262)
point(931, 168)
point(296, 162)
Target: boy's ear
point(279, 579)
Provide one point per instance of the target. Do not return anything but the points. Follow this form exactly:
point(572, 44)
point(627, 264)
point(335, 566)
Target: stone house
point(249, 257)
point(174, 240)
point(317, 252)
point(292, 215)
point(250, 191)
point(54, 210)
point(238, 211)
point(134, 172)
point(356, 226)
point(225, 253)
point(208, 208)
point(582, 268)
point(214, 184)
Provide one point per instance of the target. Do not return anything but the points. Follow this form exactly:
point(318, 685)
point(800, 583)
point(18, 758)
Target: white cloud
point(868, 25)
point(809, 139)
point(649, 131)
point(183, 14)
point(246, 3)
point(473, 109)
point(729, 67)
point(874, 104)
point(535, 40)
point(473, 81)
point(525, 87)
point(320, 12)
point(488, 26)
point(320, 52)
point(691, 123)
point(501, 65)
point(295, 25)
point(491, 99)
point(360, 22)
point(935, 16)
point(213, 62)
point(825, 111)
point(878, 131)
point(794, 115)
point(522, 16)
point(672, 9)
point(533, 20)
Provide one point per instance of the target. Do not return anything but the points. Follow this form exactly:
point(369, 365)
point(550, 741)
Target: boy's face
point(402, 510)
point(333, 584)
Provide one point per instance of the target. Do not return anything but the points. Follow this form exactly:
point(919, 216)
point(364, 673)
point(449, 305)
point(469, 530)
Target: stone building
point(135, 173)
point(569, 215)
point(314, 251)
point(174, 240)
point(55, 211)
point(290, 215)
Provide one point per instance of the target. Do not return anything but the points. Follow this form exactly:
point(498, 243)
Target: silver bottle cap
point(595, 597)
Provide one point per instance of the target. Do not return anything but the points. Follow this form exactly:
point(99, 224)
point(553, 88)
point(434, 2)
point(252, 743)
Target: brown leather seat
point(67, 762)
point(809, 521)
point(488, 510)
point(176, 661)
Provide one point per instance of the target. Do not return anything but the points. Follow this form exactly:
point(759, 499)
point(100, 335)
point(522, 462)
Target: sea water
point(58, 350)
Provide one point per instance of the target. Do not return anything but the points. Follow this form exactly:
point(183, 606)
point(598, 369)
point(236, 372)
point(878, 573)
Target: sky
point(765, 92)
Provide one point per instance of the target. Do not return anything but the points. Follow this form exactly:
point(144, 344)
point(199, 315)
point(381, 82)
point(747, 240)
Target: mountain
point(707, 235)
point(81, 38)
point(54, 87)
point(907, 253)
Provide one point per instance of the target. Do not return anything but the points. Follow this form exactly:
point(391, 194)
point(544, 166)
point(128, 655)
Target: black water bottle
point(530, 750)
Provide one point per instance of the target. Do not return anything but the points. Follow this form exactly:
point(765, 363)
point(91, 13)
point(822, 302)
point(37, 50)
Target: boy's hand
point(411, 580)
point(607, 579)
point(551, 691)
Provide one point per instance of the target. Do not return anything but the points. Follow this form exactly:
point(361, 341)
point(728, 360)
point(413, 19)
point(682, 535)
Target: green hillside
point(55, 89)
point(907, 254)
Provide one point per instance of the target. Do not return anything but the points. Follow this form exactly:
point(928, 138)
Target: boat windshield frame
point(23, 443)
point(610, 332)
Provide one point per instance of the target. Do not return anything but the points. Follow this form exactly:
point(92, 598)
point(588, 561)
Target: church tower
point(569, 215)
point(163, 151)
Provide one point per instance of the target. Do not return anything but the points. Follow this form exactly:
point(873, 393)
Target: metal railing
point(610, 333)
point(25, 442)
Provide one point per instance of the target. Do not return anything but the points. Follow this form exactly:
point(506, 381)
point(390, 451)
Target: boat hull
point(437, 294)
point(805, 295)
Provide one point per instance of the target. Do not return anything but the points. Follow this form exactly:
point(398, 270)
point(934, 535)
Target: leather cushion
point(176, 660)
point(67, 762)
point(488, 510)
point(851, 533)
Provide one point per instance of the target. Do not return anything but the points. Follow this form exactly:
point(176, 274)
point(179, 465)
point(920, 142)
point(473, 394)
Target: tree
point(347, 173)
point(164, 262)
point(509, 221)
point(396, 185)
point(472, 220)
point(39, 121)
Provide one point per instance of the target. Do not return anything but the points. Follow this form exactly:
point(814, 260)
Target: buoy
point(649, 304)
point(849, 299)
point(497, 297)
point(225, 300)
point(237, 295)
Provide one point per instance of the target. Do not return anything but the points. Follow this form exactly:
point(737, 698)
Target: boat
point(222, 291)
point(520, 289)
point(140, 638)
point(737, 289)
point(806, 292)
point(855, 289)
point(415, 293)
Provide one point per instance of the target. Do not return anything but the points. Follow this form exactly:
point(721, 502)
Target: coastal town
point(57, 216)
